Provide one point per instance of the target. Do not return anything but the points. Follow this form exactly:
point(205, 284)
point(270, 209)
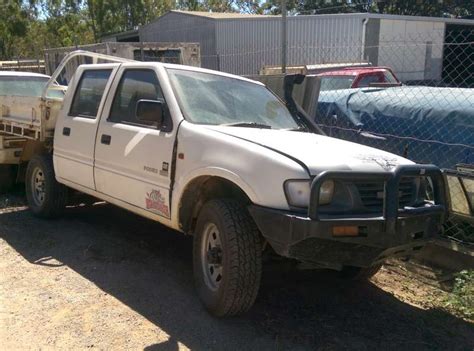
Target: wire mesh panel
point(460, 224)
point(415, 99)
point(428, 119)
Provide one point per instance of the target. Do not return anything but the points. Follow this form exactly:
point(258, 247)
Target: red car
point(359, 77)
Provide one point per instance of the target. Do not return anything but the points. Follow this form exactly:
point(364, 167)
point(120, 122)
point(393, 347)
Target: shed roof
point(222, 15)
point(237, 15)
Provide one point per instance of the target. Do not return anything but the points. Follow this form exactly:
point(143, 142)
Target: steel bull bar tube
point(355, 238)
point(391, 179)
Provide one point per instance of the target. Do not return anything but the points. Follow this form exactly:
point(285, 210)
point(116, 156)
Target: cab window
point(369, 79)
point(89, 93)
point(135, 85)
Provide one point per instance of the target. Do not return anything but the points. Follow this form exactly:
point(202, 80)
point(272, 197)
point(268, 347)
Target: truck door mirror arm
point(150, 111)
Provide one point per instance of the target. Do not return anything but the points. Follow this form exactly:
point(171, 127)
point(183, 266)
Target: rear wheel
point(227, 258)
point(46, 197)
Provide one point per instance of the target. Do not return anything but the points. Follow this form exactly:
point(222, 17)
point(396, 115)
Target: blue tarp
point(428, 125)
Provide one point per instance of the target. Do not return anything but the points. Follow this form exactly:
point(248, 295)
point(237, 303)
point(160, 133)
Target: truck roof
point(171, 66)
point(353, 71)
point(22, 74)
point(204, 70)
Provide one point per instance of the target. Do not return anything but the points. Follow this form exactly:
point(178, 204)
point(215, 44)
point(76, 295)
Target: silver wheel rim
point(211, 256)
point(37, 186)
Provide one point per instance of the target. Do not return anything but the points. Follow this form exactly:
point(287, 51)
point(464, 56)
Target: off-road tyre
point(241, 249)
point(7, 178)
point(359, 274)
point(55, 194)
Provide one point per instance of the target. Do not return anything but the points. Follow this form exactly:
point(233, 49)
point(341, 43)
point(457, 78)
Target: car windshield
point(207, 98)
point(26, 86)
point(389, 77)
point(336, 82)
point(23, 86)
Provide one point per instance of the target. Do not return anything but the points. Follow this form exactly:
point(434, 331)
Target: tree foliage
point(29, 26)
point(13, 25)
point(438, 8)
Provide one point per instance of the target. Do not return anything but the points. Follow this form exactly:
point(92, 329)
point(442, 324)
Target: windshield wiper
point(297, 129)
point(248, 124)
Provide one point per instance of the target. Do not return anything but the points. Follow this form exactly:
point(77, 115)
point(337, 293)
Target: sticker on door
point(157, 203)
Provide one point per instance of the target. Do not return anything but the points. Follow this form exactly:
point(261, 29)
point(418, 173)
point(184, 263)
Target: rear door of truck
point(133, 159)
point(75, 131)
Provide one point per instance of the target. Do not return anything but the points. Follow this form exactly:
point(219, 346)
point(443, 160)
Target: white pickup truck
point(220, 157)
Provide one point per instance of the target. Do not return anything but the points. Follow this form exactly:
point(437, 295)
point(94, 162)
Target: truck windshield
point(207, 98)
point(336, 82)
point(23, 86)
point(26, 86)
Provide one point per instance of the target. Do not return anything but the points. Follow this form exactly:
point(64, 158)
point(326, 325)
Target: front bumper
point(397, 232)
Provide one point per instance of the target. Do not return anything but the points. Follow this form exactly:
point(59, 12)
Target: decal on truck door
point(157, 203)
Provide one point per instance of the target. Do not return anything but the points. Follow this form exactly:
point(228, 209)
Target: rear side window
point(369, 79)
point(89, 93)
point(136, 84)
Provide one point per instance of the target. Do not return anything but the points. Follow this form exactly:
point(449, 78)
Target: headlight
point(298, 192)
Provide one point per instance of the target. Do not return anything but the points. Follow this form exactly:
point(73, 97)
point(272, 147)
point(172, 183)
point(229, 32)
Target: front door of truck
point(133, 158)
point(75, 131)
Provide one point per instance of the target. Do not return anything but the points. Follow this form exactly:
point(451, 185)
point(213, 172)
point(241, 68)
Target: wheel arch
point(30, 149)
point(203, 188)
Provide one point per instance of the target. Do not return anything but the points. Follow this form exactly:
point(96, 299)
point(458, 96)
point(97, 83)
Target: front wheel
point(46, 197)
point(227, 258)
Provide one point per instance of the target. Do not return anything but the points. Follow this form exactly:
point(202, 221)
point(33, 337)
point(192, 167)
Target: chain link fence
point(428, 119)
point(410, 95)
point(425, 112)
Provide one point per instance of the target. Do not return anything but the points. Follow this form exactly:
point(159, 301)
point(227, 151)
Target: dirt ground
point(102, 278)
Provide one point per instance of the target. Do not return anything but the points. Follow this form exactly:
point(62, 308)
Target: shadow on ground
point(148, 268)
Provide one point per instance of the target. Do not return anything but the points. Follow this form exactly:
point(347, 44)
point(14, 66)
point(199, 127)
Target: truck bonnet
point(317, 152)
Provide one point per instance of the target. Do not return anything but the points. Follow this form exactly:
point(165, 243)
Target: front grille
point(372, 194)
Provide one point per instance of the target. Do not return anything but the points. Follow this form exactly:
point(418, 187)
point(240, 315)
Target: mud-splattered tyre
point(46, 197)
point(359, 274)
point(7, 177)
point(226, 258)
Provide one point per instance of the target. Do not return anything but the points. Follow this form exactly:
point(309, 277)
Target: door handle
point(105, 139)
point(66, 131)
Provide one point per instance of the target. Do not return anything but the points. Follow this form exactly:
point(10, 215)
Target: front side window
point(365, 81)
point(89, 93)
point(135, 85)
point(207, 98)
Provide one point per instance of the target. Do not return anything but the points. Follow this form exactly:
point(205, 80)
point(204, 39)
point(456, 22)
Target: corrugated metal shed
point(176, 26)
point(243, 44)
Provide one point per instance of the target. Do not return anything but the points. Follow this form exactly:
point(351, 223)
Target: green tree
point(111, 16)
point(245, 6)
point(456, 8)
point(412, 7)
point(13, 26)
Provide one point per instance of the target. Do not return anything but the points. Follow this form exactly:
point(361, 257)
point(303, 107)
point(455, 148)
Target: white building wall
point(414, 49)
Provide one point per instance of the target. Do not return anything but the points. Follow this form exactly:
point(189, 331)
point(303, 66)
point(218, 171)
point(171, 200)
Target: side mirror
point(150, 112)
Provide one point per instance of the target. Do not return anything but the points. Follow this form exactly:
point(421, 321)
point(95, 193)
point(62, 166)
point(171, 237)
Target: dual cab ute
point(220, 157)
point(358, 77)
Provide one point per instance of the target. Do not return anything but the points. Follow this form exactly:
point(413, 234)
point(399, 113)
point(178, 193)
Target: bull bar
point(395, 232)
